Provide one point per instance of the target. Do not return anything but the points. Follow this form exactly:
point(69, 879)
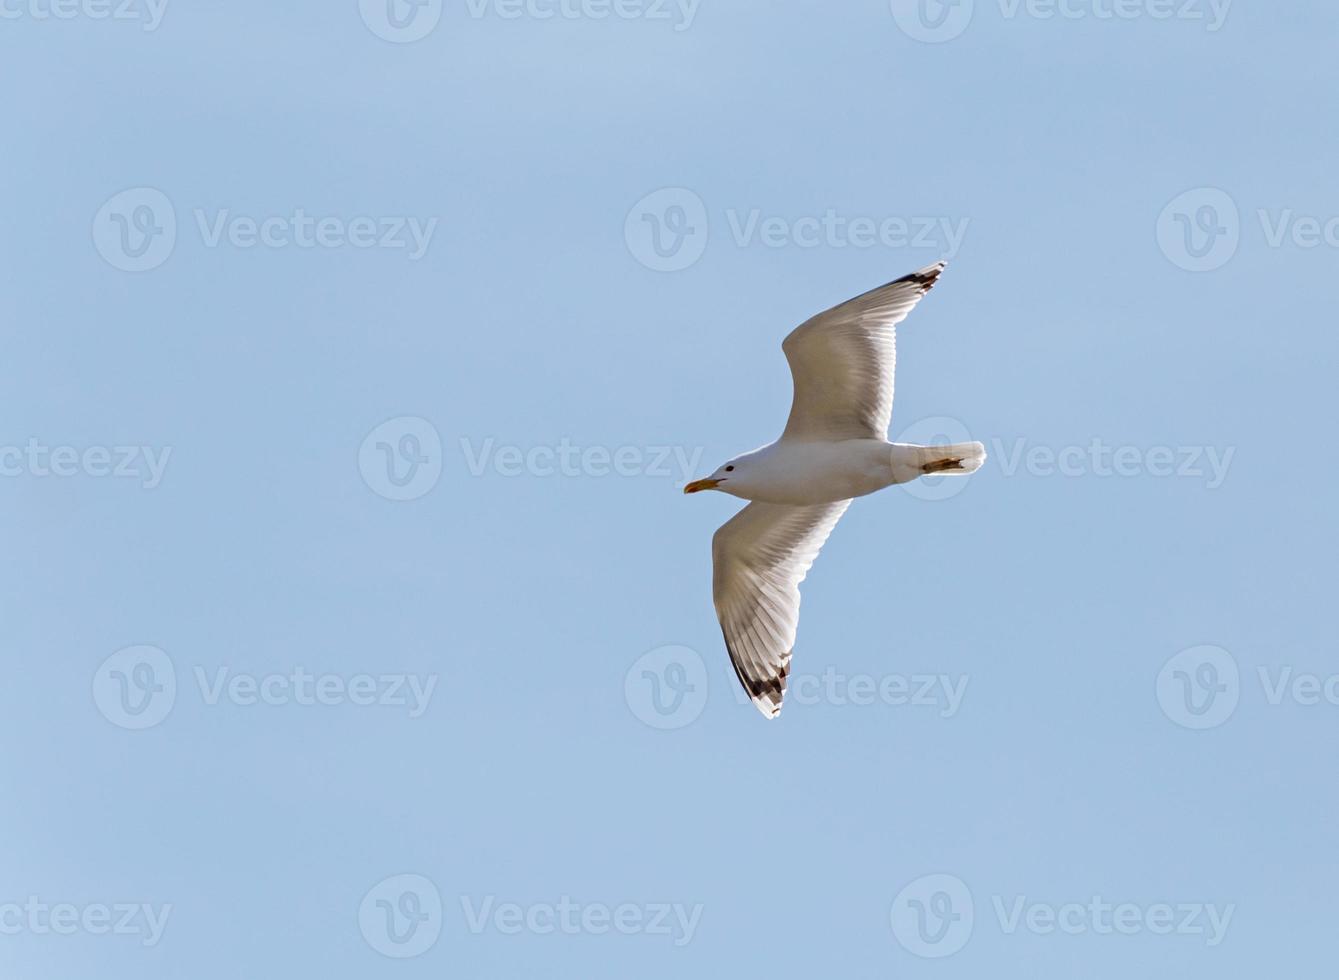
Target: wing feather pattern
point(841, 362)
point(759, 557)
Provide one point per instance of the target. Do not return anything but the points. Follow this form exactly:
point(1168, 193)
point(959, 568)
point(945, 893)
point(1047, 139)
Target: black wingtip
point(927, 277)
point(769, 692)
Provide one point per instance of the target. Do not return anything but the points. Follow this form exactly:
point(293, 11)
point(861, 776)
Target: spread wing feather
point(841, 362)
point(759, 557)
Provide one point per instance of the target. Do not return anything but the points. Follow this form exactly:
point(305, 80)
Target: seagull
point(834, 448)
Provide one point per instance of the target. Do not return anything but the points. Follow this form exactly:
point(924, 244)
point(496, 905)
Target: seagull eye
point(729, 469)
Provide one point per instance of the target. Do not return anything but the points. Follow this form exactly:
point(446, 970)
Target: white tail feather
point(958, 459)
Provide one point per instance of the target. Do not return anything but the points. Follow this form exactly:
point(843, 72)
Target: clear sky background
point(1114, 294)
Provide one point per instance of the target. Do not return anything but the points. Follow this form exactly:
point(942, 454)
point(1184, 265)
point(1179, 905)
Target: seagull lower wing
point(759, 557)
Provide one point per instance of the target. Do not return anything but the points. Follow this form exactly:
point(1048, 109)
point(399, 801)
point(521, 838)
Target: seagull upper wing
point(759, 557)
point(842, 362)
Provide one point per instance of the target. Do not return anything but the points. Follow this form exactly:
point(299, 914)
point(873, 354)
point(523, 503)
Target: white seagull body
point(835, 447)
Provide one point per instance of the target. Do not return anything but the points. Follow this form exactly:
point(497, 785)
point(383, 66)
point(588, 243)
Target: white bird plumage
point(834, 448)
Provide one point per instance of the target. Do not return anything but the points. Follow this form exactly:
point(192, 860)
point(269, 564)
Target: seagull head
point(720, 479)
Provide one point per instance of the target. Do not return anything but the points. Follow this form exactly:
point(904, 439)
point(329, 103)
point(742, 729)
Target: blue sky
point(356, 357)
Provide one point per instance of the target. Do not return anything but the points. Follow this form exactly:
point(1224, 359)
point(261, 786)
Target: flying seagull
point(835, 447)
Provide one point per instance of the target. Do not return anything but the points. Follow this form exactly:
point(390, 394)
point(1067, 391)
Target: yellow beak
point(697, 485)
